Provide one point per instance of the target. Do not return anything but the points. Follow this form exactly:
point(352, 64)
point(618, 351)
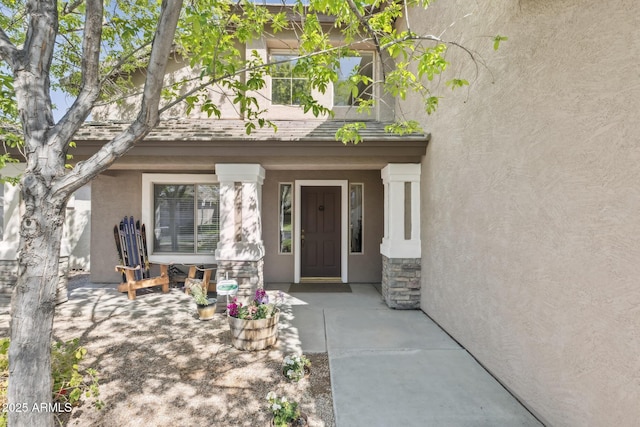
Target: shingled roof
point(234, 130)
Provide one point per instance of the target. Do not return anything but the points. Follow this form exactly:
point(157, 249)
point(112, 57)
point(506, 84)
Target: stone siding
point(8, 278)
point(401, 282)
point(249, 275)
point(8, 274)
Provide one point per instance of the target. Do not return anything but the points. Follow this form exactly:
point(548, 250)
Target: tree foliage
point(211, 34)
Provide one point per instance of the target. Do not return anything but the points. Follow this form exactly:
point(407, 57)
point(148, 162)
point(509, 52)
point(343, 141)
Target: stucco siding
point(119, 193)
point(365, 267)
point(113, 195)
point(530, 197)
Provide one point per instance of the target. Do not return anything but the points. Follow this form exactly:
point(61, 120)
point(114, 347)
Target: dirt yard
point(161, 366)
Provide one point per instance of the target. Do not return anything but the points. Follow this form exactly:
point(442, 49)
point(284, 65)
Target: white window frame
point(374, 73)
point(296, 55)
point(148, 181)
point(293, 219)
point(361, 184)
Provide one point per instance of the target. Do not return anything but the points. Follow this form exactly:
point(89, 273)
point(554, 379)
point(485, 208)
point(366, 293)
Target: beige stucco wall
point(363, 268)
point(531, 194)
point(119, 193)
point(178, 70)
point(113, 195)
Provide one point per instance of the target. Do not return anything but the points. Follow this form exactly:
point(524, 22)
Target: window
point(285, 218)
point(287, 85)
point(355, 218)
point(186, 218)
point(181, 213)
point(343, 89)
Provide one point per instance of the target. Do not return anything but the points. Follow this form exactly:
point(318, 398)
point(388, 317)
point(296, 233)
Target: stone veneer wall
point(249, 275)
point(8, 277)
point(401, 282)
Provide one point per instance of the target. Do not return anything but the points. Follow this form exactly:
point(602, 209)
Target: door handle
point(302, 237)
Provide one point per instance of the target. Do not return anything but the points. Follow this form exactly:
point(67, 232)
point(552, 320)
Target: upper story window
point(287, 84)
point(351, 65)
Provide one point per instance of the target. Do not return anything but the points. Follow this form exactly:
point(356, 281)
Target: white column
point(250, 246)
point(394, 244)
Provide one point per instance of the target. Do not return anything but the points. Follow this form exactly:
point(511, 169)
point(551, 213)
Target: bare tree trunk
point(46, 185)
point(33, 304)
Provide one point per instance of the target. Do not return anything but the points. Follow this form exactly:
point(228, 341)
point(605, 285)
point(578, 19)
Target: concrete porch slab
point(419, 388)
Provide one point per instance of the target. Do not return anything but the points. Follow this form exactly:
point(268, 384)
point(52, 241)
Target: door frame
point(344, 218)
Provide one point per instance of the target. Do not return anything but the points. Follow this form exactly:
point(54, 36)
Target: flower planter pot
point(206, 312)
point(254, 334)
point(307, 373)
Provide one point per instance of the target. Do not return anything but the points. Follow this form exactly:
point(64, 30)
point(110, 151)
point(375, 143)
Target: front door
point(320, 233)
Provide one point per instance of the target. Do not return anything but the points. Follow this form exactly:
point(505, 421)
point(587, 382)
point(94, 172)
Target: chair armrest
point(121, 268)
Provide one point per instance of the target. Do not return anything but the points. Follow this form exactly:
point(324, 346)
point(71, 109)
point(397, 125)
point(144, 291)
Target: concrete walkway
point(395, 368)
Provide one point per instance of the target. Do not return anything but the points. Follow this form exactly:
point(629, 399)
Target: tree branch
point(370, 30)
point(31, 77)
point(7, 49)
point(90, 88)
point(148, 117)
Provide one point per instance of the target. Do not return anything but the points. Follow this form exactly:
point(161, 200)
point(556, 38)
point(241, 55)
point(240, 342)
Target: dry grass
point(160, 366)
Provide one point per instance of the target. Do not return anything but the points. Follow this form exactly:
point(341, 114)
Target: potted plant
point(295, 367)
point(253, 326)
point(206, 306)
point(285, 413)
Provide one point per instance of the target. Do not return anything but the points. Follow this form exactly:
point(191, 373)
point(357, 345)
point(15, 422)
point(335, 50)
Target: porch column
point(400, 248)
point(240, 251)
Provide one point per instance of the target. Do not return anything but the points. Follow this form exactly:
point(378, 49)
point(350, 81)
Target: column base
point(401, 282)
point(250, 277)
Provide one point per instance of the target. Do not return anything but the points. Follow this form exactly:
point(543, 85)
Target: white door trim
point(344, 201)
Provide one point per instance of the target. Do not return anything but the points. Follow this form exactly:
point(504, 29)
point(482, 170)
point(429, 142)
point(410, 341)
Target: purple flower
point(233, 308)
point(261, 296)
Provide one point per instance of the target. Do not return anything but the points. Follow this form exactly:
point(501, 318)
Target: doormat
point(319, 287)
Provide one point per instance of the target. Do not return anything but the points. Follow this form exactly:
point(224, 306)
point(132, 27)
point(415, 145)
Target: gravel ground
point(161, 366)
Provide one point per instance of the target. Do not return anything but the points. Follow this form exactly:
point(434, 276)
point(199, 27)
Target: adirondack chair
point(131, 243)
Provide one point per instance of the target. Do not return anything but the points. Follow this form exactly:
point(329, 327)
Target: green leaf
point(496, 41)
point(456, 83)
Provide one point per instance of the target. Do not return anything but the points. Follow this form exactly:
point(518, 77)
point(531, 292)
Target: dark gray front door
point(320, 232)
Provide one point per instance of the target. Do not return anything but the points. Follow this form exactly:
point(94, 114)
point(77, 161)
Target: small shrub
point(285, 412)
point(71, 383)
point(293, 366)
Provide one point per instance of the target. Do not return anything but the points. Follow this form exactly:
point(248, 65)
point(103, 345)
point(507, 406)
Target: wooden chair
point(131, 243)
point(205, 282)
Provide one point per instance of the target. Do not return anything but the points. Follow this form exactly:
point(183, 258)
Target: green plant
point(284, 412)
point(293, 366)
point(259, 308)
point(71, 383)
point(198, 293)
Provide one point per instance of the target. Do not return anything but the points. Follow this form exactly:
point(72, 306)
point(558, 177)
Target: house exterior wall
point(178, 69)
point(530, 201)
point(365, 267)
point(74, 249)
point(119, 193)
point(113, 195)
point(10, 205)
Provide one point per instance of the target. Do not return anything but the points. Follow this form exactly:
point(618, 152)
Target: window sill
point(182, 259)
